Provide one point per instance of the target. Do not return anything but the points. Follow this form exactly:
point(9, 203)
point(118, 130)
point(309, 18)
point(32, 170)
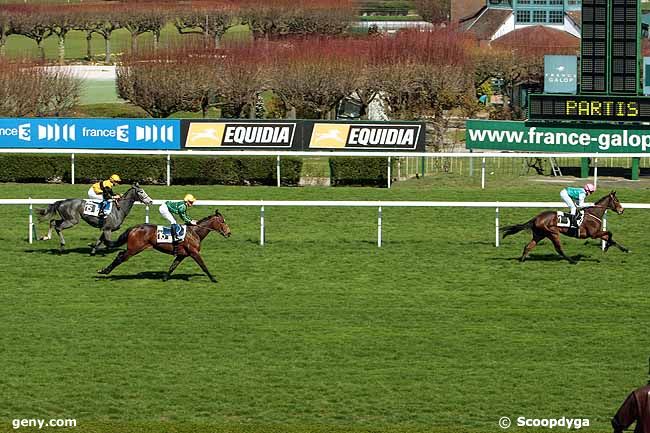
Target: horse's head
point(614, 204)
point(217, 222)
point(141, 195)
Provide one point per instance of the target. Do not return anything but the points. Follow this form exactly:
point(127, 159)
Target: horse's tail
point(516, 228)
point(49, 211)
point(121, 240)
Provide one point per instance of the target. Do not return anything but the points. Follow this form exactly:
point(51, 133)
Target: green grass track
point(320, 330)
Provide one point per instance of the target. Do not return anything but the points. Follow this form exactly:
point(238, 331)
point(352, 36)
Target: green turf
point(320, 330)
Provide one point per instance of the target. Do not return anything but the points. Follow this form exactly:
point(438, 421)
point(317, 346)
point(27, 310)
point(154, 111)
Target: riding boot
point(101, 216)
point(174, 239)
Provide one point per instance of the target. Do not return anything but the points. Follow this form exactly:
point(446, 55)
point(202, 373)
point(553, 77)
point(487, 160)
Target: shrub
point(363, 171)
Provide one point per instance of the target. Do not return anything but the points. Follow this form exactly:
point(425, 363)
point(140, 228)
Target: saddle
point(572, 222)
point(164, 234)
point(91, 207)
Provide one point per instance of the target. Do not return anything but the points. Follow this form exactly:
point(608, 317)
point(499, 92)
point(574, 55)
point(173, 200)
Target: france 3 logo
point(90, 133)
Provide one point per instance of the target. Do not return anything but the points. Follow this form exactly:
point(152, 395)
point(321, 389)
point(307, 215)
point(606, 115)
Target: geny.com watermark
point(567, 423)
point(40, 423)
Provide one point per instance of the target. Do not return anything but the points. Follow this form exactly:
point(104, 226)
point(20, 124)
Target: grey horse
point(70, 212)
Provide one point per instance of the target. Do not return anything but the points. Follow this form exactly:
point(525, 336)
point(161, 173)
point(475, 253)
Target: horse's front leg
point(199, 260)
point(558, 247)
point(609, 241)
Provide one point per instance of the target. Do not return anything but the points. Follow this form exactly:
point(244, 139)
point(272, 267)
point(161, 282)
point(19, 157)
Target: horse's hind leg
point(532, 244)
point(49, 231)
point(177, 261)
point(59, 226)
point(558, 247)
point(122, 257)
point(199, 260)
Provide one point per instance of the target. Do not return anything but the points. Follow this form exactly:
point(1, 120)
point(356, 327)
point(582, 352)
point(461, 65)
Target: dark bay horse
point(143, 236)
point(64, 214)
point(545, 225)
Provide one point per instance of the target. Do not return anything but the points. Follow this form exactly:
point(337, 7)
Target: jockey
point(169, 208)
point(575, 198)
point(103, 191)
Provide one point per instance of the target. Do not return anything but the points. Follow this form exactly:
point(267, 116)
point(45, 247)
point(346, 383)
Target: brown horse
point(143, 236)
point(545, 225)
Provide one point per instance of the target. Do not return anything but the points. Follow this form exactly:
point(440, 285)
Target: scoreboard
point(589, 107)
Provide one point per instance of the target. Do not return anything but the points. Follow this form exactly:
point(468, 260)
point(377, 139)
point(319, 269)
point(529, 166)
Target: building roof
point(487, 23)
point(576, 17)
point(539, 38)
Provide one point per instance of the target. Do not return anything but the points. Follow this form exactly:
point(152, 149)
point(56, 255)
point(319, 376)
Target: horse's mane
point(600, 202)
point(208, 217)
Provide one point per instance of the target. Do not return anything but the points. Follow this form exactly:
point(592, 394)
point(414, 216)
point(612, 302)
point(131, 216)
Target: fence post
point(602, 242)
point(379, 228)
point(422, 165)
point(72, 168)
point(635, 168)
point(389, 172)
point(169, 169)
point(146, 214)
point(399, 168)
point(262, 225)
point(277, 168)
point(483, 173)
point(31, 221)
point(496, 229)
point(471, 164)
point(596, 173)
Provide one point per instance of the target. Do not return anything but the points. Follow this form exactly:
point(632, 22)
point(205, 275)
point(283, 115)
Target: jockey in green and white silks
point(575, 197)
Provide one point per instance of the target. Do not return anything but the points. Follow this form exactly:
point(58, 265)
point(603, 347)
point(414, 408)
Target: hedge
point(149, 169)
point(362, 171)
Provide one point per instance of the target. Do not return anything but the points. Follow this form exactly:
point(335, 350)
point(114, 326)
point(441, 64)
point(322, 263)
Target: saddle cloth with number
point(564, 219)
point(164, 234)
point(91, 207)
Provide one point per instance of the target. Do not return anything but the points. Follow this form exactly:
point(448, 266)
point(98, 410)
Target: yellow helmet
point(190, 198)
point(115, 178)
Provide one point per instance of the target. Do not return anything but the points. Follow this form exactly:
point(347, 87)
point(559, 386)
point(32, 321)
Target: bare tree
point(142, 20)
point(433, 11)
point(240, 75)
point(314, 76)
point(33, 23)
point(212, 22)
point(103, 21)
point(27, 89)
point(62, 21)
point(161, 86)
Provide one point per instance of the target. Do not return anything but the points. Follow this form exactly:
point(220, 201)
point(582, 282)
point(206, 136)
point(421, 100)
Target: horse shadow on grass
point(148, 275)
point(77, 250)
point(549, 257)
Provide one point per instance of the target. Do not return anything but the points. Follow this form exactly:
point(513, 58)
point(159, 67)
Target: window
point(539, 2)
point(523, 16)
point(555, 2)
point(556, 17)
point(539, 16)
point(523, 2)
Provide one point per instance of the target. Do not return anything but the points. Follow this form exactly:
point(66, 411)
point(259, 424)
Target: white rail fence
point(262, 204)
point(471, 156)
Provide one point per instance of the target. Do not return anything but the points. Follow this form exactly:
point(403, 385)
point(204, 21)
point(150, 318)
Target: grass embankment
point(438, 330)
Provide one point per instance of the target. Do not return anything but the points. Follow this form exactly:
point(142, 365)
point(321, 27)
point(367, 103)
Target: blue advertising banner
point(64, 133)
